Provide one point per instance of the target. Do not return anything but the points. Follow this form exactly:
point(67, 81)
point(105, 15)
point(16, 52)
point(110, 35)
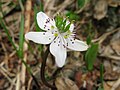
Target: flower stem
point(42, 73)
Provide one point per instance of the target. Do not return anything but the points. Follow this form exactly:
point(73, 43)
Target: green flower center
point(61, 24)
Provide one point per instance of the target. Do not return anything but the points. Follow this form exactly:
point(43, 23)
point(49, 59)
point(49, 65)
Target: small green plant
point(101, 77)
point(21, 37)
point(58, 33)
point(91, 55)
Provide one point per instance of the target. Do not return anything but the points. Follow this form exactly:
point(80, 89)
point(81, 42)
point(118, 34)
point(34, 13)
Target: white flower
point(59, 42)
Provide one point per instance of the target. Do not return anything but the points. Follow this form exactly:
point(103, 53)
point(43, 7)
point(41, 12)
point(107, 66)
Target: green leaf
point(41, 6)
point(21, 37)
point(101, 75)
point(81, 3)
point(88, 40)
point(91, 55)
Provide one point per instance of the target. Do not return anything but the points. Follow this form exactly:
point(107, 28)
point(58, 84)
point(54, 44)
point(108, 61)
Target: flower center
point(61, 24)
point(67, 34)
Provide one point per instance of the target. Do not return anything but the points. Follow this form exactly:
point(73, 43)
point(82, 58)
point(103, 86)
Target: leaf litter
point(74, 75)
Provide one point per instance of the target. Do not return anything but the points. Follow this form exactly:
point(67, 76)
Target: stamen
point(65, 36)
point(44, 26)
point(52, 27)
point(43, 33)
point(48, 19)
point(55, 34)
point(54, 41)
point(67, 44)
point(63, 45)
point(49, 38)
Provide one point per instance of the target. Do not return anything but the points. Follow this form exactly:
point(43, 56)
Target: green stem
point(42, 73)
point(101, 74)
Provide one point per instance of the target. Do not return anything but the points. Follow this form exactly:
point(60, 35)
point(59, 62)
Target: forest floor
point(99, 19)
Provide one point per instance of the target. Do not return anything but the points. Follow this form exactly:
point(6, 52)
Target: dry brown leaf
point(111, 76)
point(113, 3)
point(106, 86)
point(100, 9)
point(7, 8)
point(116, 46)
point(63, 83)
point(78, 79)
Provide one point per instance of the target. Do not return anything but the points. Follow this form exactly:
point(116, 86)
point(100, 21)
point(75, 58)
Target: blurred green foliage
point(72, 16)
point(91, 55)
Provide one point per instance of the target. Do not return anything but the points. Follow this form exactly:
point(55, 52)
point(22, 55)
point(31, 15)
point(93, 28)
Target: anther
point(67, 44)
point(64, 46)
point(43, 33)
point(48, 19)
point(49, 38)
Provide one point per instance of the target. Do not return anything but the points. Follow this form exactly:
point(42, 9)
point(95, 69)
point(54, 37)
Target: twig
point(27, 28)
point(18, 82)
point(63, 6)
point(117, 83)
point(113, 57)
point(104, 36)
point(7, 76)
point(42, 73)
point(29, 83)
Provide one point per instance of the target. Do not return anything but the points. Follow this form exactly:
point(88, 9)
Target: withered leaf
point(63, 83)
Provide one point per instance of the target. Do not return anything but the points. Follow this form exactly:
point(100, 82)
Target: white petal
point(71, 26)
point(40, 37)
point(76, 45)
point(58, 51)
point(42, 19)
